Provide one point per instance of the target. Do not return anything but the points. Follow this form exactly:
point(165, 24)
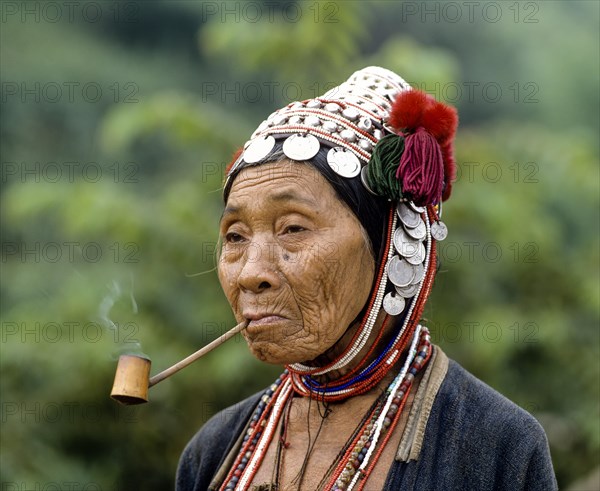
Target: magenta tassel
point(421, 168)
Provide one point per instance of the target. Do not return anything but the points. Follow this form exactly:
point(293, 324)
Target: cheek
point(332, 290)
point(227, 274)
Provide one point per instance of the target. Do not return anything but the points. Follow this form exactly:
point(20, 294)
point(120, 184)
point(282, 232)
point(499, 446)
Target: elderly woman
point(332, 214)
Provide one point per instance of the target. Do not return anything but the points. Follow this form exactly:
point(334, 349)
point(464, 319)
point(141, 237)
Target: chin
point(276, 354)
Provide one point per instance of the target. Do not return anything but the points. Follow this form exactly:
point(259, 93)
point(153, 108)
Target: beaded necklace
point(360, 453)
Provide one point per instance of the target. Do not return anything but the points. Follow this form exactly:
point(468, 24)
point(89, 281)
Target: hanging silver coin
point(418, 257)
point(419, 232)
point(343, 162)
point(419, 273)
point(301, 147)
point(400, 272)
point(393, 304)
point(259, 149)
point(401, 238)
point(364, 177)
point(409, 249)
point(439, 231)
point(408, 291)
point(418, 209)
point(408, 217)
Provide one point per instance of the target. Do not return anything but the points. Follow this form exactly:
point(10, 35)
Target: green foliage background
point(183, 85)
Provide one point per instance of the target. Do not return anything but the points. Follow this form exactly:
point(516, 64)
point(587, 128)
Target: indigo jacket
point(467, 437)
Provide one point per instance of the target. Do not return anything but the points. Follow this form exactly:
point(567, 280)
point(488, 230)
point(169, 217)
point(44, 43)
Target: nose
point(260, 271)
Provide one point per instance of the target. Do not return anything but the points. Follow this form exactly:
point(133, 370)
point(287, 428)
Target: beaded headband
point(400, 141)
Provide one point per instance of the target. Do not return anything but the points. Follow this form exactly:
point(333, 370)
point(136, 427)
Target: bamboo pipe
point(132, 378)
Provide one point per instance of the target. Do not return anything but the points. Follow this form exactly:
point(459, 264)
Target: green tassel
point(383, 166)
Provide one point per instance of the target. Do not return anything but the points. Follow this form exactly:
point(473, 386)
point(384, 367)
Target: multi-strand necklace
point(360, 453)
point(358, 456)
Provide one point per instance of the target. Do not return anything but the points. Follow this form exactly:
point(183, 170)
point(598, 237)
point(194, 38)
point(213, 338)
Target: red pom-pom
point(441, 121)
point(408, 109)
point(413, 109)
point(236, 156)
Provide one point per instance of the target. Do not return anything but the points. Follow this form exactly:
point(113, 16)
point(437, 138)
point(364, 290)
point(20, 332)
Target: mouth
point(258, 321)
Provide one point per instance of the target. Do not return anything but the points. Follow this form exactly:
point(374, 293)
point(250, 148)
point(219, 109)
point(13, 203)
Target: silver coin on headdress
point(418, 257)
point(407, 216)
point(419, 232)
point(404, 243)
point(409, 249)
point(393, 304)
point(439, 231)
point(407, 291)
point(258, 149)
point(419, 273)
point(343, 162)
point(400, 272)
point(301, 147)
point(418, 209)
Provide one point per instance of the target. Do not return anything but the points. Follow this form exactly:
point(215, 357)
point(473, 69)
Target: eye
point(233, 237)
point(294, 229)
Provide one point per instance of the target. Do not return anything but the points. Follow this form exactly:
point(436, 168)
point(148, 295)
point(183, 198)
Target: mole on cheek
point(286, 257)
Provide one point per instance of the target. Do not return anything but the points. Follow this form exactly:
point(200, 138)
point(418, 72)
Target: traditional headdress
point(398, 142)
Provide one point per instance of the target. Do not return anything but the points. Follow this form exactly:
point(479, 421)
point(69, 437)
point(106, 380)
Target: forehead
point(280, 180)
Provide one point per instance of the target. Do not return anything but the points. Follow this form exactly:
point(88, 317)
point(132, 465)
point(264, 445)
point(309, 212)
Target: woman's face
point(294, 261)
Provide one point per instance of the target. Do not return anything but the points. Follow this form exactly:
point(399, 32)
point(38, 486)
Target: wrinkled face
point(295, 261)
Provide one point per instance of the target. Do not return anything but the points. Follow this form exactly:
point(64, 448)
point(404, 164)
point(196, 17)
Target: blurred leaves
point(322, 38)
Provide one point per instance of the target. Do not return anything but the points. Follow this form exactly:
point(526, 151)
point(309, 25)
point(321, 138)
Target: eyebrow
point(291, 196)
point(229, 210)
point(277, 197)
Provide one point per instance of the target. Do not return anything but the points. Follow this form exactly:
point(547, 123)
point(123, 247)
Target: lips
point(260, 320)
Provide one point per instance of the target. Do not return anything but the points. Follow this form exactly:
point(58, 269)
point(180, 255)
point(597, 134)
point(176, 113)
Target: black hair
point(371, 210)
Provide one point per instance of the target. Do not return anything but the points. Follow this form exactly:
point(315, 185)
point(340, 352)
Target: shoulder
point(473, 402)
point(206, 450)
point(492, 442)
